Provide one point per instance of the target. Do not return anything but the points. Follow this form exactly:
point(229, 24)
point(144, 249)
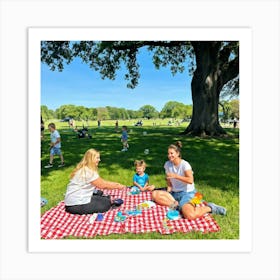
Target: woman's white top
point(79, 189)
point(177, 185)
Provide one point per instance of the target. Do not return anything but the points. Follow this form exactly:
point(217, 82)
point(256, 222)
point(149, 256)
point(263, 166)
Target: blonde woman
point(83, 195)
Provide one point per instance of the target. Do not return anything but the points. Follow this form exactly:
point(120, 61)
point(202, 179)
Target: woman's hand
point(187, 178)
point(103, 184)
point(120, 186)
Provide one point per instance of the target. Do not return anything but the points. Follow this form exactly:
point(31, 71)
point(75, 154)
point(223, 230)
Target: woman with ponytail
point(181, 188)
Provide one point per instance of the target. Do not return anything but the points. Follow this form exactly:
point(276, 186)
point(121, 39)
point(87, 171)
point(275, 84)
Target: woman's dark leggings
point(98, 204)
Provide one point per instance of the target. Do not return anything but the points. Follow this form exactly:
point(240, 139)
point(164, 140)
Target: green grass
point(215, 162)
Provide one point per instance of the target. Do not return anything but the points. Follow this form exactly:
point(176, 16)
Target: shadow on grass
point(215, 161)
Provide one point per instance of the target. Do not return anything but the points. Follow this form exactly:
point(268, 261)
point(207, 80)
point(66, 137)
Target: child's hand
point(149, 188)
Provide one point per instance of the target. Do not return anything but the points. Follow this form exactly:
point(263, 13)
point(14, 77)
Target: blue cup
point(99, 217)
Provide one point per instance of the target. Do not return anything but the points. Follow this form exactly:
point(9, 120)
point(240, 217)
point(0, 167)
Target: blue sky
point(80, 85)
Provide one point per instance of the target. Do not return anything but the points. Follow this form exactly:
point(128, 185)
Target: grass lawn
point(215, 162)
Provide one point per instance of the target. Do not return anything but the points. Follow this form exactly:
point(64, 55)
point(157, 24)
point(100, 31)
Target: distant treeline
point(171, 109)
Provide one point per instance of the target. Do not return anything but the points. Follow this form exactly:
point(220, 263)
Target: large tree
point(217, 63)
point(212, 63)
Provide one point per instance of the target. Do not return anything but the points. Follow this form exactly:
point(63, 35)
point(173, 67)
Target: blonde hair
point(177, 147)
point(140, 163)
point(88, 160)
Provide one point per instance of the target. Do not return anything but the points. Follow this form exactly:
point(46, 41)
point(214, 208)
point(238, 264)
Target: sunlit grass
point(215, 162)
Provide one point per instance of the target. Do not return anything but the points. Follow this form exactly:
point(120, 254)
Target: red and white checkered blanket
point(57, 223)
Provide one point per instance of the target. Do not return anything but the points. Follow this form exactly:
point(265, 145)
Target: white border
point(262, 16)
point(243, 35)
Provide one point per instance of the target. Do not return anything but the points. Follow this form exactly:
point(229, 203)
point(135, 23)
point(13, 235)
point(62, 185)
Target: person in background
point(55, 146)
point(116, 125)
point(42, 128)
point(124, 139)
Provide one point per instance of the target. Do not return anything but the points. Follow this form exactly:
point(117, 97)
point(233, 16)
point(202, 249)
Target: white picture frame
point(243, 35)
point(17, 262)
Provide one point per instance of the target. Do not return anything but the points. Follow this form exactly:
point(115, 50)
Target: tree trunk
point(206, 86)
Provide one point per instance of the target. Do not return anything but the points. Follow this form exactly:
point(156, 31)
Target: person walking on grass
point(116, 125)
point(55, 146)
point(124, 139)
point(140, 178)
point(83, 194)
point(42, 128)
point(181, 188)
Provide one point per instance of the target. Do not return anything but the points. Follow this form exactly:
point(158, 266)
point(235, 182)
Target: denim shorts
point(55, 151)
point(183, 197)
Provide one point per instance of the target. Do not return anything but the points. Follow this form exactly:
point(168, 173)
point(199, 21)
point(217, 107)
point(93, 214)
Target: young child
point(124, 138)
point(140, 178)
point(55, 146)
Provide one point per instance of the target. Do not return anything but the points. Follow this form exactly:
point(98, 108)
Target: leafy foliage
point(107, 57)
point(148, 112)
point(171, 109)
point(214, 65)
point(174, 109)
point(230, 109)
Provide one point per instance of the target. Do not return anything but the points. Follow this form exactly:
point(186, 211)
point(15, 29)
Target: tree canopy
point(213, 64)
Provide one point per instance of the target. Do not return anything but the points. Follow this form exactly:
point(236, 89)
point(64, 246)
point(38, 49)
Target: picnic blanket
point(56, 223)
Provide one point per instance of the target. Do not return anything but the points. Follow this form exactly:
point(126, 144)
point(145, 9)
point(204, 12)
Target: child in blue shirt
point(55, 146)
point(124, 139)
point(140, 178)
